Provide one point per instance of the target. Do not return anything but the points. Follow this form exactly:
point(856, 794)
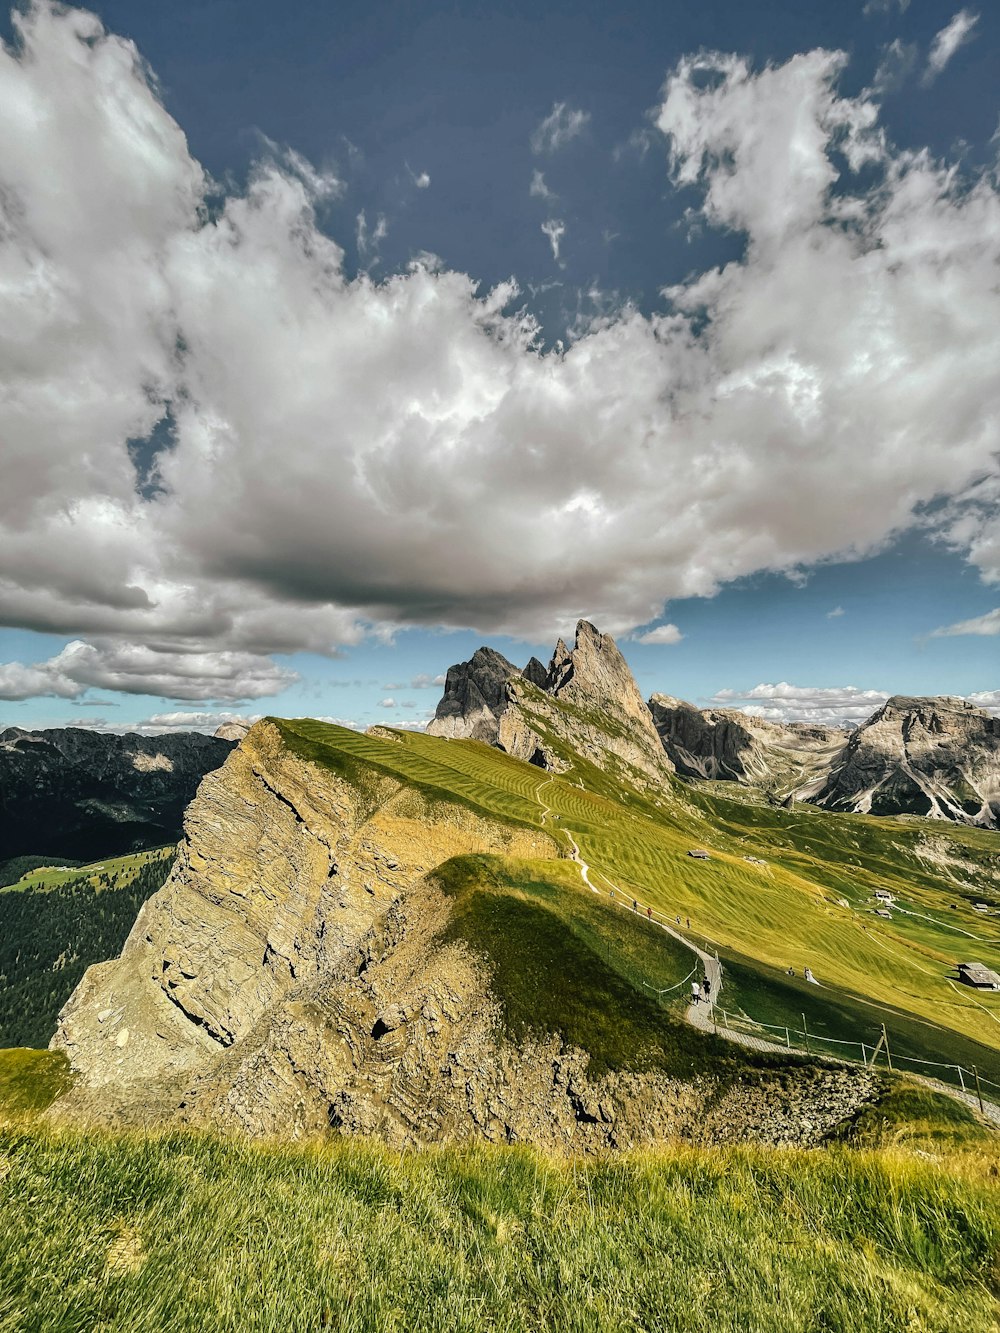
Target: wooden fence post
point(888, 1056)
point(979, 1091)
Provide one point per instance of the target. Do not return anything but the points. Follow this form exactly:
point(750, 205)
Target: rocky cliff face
point(475, 695)
point(278, 896)
point(586, 702)
point(297, 974)
point(84, 794)
point(726, 745)
point(938, 757)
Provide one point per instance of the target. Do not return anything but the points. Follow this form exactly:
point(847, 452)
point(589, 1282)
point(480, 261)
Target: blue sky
point(354, 470)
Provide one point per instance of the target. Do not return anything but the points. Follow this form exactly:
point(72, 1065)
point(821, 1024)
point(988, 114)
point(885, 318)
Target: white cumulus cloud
point(560, 126)
point(831, 705)
point(340, 456)
point(661, 634)
point(987, 624)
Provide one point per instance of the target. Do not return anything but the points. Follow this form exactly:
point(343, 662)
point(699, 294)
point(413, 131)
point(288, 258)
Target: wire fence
point(967, 1080)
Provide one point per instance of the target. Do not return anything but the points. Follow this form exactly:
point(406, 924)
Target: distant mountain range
point(79, 794)
point(937, 757)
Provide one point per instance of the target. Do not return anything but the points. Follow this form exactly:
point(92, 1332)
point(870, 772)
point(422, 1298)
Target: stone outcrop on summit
point(247, 992)
point(475, 695)
point(938, 757)
point(585, 702)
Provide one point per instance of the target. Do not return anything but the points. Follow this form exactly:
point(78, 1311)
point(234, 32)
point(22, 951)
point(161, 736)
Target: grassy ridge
point(810, 905)
point(569, 964)
point(138, 1235)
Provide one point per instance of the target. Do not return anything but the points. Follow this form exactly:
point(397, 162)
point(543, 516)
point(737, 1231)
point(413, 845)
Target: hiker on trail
point(706, 986)
point(649, 913)
point(635, 905)
point(695, 992)
point(688, 922)
point(678, 920)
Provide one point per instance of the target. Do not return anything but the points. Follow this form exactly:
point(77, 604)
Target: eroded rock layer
point(586, 702)
point(937, 757)
point(298, 974)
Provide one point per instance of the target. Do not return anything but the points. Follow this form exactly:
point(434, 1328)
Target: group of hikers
point(701, 991)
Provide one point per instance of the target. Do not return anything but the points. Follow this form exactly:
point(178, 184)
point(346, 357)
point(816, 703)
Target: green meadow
point(896, 1229)
point(810, 905)
point(55, 922)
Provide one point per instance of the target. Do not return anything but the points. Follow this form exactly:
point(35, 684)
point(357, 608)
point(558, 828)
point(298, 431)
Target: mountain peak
point(608, 716)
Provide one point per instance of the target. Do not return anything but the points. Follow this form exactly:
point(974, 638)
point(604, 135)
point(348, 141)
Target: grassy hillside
point(55, 922)
point(896, 1229)
point(135, 1234)
point(809, 905)
point(569, 963)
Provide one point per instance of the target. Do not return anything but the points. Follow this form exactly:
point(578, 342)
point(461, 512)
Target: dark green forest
point(50, 936)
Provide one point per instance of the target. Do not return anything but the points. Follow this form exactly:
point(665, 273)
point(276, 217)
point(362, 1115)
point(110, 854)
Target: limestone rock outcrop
point(730, 746)
point(585, 702)
point(938, 757)
point(81, 794)
point(231, 731)
point(284, 872)
point(475, 696)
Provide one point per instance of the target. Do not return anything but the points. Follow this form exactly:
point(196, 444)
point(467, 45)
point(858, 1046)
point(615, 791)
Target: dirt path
point(701, 1014)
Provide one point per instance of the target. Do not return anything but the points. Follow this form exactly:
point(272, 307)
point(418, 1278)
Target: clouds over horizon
point(834, 706)
point(346, 455)
point(824, 705)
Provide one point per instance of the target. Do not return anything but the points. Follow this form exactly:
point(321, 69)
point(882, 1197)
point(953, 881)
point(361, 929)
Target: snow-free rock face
point(938, 757)
point(231, 731)
point(301, 972)
point(586, 698)
point(286, 871)
point(474, 697)
point(82, 794)
point(602, 714)
point(726, 745)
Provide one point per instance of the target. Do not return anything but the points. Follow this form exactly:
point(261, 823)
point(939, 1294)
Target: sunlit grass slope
point(810, 905)
point(570, 964)
point(135, 1235)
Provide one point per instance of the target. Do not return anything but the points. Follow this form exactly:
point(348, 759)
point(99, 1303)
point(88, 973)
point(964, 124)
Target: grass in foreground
point(189, 1233)
point(30, 1081)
